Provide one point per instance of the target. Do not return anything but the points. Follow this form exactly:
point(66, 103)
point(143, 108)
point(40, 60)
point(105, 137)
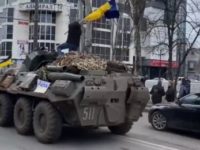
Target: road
point(141, 137)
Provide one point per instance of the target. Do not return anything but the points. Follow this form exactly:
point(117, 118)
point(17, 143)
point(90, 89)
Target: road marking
point(148, 144)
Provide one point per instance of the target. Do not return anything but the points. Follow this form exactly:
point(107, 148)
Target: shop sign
point(162, 63)
point(42, 6)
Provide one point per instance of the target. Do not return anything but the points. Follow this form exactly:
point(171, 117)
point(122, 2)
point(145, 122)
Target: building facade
point(17, 28)
point(193, 63)
point(109, 39)
point(155, 40)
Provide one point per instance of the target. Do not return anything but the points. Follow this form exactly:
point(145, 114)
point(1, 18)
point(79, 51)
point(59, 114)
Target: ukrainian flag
point(99, 13)
point(113, 12)
point(6, 62)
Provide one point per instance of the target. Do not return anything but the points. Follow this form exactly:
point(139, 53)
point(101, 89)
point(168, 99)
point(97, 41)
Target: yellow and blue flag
point(99, 13)
point(6, 62)
point(109, 10)
point(113, 12)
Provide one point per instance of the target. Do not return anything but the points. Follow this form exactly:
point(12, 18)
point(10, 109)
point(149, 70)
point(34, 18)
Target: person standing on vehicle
point(73, 39)
point(170, 93)
point(157, 93)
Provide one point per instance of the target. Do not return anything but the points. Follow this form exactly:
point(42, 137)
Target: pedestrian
point(157, 93)
point(170, 93)
point(73, 39)
point(184, 88)
point(188, 85)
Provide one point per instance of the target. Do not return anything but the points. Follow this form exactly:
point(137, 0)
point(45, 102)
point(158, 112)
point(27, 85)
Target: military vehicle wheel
point(121, 129)
point(6, 110)
point(47, 123)
point(23, 116)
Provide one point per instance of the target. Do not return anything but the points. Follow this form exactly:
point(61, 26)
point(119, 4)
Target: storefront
point(157, 68)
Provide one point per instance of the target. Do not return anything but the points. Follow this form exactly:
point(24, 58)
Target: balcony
point(42, 6)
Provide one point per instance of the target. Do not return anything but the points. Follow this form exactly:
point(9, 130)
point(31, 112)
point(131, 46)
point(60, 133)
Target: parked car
point(183, 114)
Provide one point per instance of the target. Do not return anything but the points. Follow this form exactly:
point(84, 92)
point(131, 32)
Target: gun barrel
point(56, 68)
point(65, 76)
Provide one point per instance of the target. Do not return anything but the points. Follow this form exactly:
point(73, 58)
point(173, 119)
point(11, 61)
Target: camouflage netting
point(76, 62)
point(81, 62)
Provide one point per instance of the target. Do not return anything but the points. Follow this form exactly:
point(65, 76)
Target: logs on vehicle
point(77, 61)
point(82, 62)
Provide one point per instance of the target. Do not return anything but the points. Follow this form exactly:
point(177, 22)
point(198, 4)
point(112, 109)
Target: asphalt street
point(141, 137)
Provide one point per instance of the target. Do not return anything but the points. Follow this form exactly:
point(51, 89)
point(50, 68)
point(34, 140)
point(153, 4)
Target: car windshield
point(191, 99)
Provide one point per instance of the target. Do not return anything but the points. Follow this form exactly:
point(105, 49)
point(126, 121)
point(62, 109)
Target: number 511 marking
point(88, 113)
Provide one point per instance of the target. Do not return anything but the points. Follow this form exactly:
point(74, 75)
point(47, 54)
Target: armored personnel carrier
point(42, 98)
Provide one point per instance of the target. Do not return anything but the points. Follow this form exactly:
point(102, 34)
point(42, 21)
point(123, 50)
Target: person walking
point(170, 93)
point(157, 93)
point(188, 85)
point(184, 88)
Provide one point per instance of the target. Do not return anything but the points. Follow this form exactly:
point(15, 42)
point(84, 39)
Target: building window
point(103, 52)
point(123, 40)
point(44, 17)
point(6, 49)
point(45, 32)
point(121, 54)
point(105, 24)
point(9, 31)
point(124, 24)
point(10, 14)
point(101, 37)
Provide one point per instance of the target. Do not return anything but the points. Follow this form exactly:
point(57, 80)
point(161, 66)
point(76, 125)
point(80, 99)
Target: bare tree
point(137, 12)
point(174, 35)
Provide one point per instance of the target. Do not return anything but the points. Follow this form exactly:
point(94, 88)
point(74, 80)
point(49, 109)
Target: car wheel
point(158, 121)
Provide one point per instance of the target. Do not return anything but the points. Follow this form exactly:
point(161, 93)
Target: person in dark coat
point(188, 85)
point(73, 39)
point(184, 88)
point(170, 93)
point(157, 93)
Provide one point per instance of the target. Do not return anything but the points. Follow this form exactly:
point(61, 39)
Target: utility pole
point(88, 29)
point(80, 7)
point(35, 40)
point(86, 38)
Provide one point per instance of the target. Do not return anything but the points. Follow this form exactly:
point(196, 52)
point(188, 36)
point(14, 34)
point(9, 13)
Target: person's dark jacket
point(74, 34)
point(170, 94)
point(183, 91)
point(157, 93)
